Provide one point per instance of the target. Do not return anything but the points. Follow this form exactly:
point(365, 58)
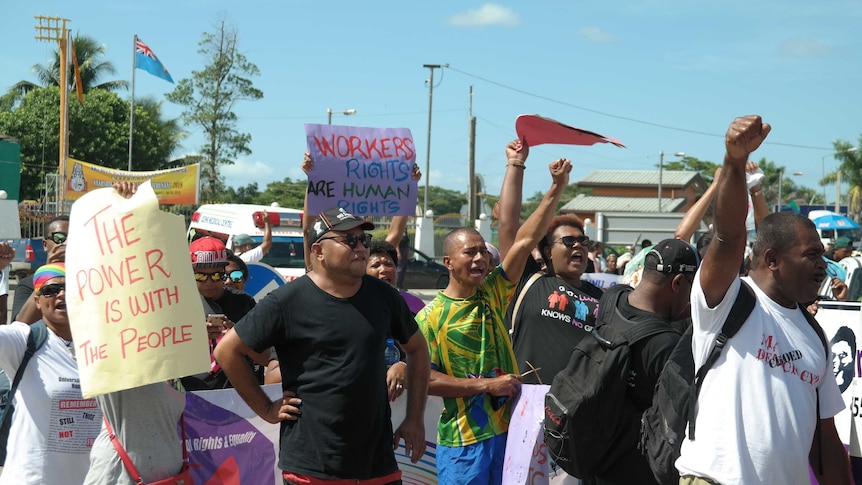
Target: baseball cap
point(337, 219)
point(672, 256)
point(242, 240)
point(843, 242)
point(208, 252)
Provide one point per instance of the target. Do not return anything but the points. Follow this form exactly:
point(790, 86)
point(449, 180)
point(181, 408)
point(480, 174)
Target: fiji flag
point(145, 59)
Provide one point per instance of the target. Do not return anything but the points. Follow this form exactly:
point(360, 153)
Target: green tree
point(570, 192)
point(210, 97)
point(850, 167)
point(98, 133)
point(790, 191)
point(288, 193)
point(92, 66)
point(443, 201)
point(691, 164)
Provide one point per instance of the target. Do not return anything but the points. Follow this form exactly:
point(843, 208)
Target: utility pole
point(660, 170)
point(431, 67)
point(472, 202)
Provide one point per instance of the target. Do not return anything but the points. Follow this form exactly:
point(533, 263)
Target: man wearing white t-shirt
point(53, 427)
point(756, 410)
point(243, 244)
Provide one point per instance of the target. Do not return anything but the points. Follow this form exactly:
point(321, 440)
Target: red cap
point(208, 251)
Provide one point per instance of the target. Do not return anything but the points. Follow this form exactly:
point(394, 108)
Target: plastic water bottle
point(391, 355)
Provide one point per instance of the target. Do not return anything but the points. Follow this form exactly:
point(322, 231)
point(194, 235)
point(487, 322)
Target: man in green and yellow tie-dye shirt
point(472, 363)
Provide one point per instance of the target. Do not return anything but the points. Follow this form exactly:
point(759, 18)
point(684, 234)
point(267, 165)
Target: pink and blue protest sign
point(367, 171)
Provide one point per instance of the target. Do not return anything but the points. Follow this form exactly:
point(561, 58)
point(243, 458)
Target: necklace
point(70, 347)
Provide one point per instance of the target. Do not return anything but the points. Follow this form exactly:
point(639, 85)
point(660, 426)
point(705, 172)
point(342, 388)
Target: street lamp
point(346, 112)
point(780, 179)
point(838, 177)
point(661, 169)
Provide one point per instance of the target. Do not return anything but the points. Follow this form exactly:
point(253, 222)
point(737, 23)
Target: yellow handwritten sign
point(134, 308)
point(172, 186)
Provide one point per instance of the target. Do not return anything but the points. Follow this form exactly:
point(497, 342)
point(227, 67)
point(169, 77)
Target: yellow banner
point(172, 186)
point(134, 308)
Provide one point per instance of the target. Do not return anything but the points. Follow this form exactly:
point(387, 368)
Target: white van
point(224, 221)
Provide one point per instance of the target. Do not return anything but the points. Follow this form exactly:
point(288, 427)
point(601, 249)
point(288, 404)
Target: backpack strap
point(35, 340)
point(739, 312)
point(819, 331)
point(127, 462)
point(609, 312)
point(533, 278)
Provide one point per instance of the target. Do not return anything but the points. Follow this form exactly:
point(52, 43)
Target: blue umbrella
point(835, 221)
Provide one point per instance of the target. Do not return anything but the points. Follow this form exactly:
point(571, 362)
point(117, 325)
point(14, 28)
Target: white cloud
point(808, 48)
point(244, 172)
point(596, 35)
point(487, 14)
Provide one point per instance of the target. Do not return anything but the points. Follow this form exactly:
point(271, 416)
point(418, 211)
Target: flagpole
point(132, 109)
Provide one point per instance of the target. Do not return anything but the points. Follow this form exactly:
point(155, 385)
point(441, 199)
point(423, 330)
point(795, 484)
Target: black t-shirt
point(554, 317)
point(23, 292)
point(235, 304)
point(648, 355)
point(331, 354)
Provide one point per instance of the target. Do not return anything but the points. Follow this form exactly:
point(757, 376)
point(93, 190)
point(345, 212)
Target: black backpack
point(663, 425)
point(35, 340)
point(586, 406)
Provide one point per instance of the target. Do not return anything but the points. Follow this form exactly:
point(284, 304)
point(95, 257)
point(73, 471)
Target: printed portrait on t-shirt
point(843, 346)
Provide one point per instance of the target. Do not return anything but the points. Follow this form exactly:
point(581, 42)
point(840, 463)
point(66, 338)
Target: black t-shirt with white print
point(554, 317)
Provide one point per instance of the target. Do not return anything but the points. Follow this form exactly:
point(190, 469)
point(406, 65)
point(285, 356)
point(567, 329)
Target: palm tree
point(851, 173)
point(91, 66)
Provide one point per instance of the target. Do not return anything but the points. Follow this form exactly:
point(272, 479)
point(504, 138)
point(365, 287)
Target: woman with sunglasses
point(38, 452)
point(236, 272)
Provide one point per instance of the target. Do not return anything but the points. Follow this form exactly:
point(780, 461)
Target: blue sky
point(657, 75)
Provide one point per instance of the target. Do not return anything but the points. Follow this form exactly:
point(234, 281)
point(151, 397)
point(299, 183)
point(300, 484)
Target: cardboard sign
point(538, 130)
point(367, 171)
point(134, 308)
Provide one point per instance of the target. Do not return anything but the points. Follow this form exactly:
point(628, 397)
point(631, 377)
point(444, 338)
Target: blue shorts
point(477, 464)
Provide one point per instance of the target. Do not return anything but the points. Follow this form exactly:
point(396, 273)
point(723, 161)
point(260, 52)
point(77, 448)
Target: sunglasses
point(217, 276)
point(52, 290)
point(352, 239)
point(570, 241)
point(235, 276)
point(58, 237)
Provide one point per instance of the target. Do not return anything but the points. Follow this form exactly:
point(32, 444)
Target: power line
point(624, 118)
point(364, 115)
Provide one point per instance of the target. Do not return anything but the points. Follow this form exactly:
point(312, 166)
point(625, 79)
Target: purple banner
point(367, 171)
point(225, 447)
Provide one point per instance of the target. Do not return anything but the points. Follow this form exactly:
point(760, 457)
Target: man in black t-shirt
point(558, 309)
point(329, 328)
point(663, 296)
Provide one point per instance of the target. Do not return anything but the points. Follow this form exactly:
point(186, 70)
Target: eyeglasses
point(217, 276)
point(58, 237)
point(235, 276)
point(352, 239)
point(569, 241)
point(52, 290)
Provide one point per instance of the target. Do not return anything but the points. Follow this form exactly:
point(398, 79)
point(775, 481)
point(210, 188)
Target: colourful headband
point(46, 273)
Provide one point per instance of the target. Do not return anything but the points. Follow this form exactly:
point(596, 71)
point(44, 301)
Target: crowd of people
point(497, 325)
